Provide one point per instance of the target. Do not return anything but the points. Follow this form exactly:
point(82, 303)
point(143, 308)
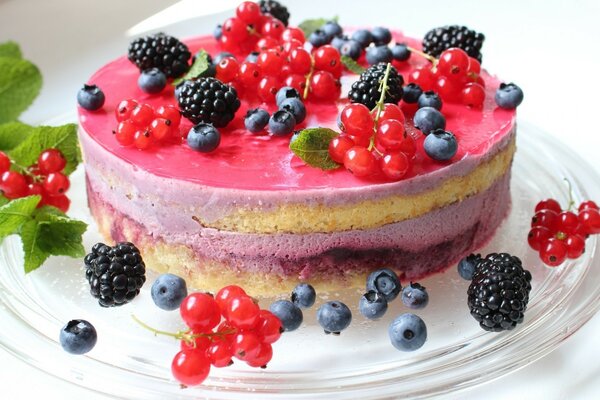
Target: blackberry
point(366, 89)
point(160, 51)
point(116, 274)
point(439, 39)
point(208, 100)
point(499, 292)
point(276, 9)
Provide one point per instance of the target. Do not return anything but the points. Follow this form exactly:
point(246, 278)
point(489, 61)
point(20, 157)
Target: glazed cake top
point(264, 162)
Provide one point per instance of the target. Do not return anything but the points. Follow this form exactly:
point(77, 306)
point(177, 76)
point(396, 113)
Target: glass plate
point(129, 361)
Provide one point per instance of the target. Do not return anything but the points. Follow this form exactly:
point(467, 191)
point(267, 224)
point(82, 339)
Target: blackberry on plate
point(366, 89)
point(276, 9)
point(208, 100)
point(116, 274)
point(160, 51)
point(439, 39)
point(499, 292)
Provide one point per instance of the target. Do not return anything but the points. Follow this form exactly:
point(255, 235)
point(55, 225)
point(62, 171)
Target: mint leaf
point(199, 67)
point(12, 134)
point(308, 26)
point(352, 65)
point(20, 83)
point(63, 138)
point(15, 213)
point(10, 49)
point(58, 234)
point(312, 146)
point(34, 255)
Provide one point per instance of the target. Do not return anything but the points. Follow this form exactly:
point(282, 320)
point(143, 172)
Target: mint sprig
point(308, 26)
point(311, 145)
point(199, 67)
point(352, 65)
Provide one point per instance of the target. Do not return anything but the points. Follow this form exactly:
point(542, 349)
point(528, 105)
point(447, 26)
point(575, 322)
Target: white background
point(550, 48)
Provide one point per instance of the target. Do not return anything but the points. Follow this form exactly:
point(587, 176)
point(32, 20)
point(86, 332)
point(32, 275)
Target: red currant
point(290, 45)
point(124, 109)
point(390, 134)
point(249, 12)
point(394, 165)
point(35, 189)
point(235, 30)
point(296, 81)
point(56, 184)
point(220, 353)
point(4, 162)
point(474, 66)
point(273, 28)
point(590, 221)
point(423, 77)
point(293, 33)
point(246, 345)
point(553, 252)
point(300, 61)
point(249, 74)
point(473, 95)
point(169, 112)
point(453, 62)
point(324, 86)
point(200, 312)
point(447, 89)
point(548, 204)
point(338, 148)
point(588, 205)
point(391, 111)
point(262, 357)
point(142, 115)
point(199, 343)
point(538, 236)
point(408, 146)
point(226, 294)
point(575, 246)
point(327, 58)
point(267, 89)
point(190, 367)
point(545, 218)
point(227, 69)
point(61, 202)
point(567, 222)
point(13, 184)
point(357, 120)
point(271, 62)
point(51, 160)
point(360, 161)
point(242, 312)
point(269, 327)
point(361, 141)
point(266, 43)
point(125, 133)
point(142, 139)
point(161, 128)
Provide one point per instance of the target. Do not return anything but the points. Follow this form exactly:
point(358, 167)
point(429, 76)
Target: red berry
point(200, 312)
point(391, 111)
point(327, 58)
point(124, 109)
point(61, 202)
point(473, 95)
point(266, 43)
point(296, 81)
point(56, 184)
point(264, 355)
point(567, 222)
point(190, 367)
point(408, 146)
point(160, 128)
point(361, 141)
point(199, 343)
point(249, 12)
point(590, 221)
point(538, 236)
point(293, 33)
point(125, 133)
point(453, 62)
point(235, 30)
point(35, 189)
point(553, 252)
point(271, 62)
point(548, 204)
point(474, 66)
point(324, 86)
point(545, 218)
point(588, 205)
point(220, 353)
point(169, 112)
point(338, 148)
point(273, 28)
point(142, 115)
point(390, 134)
point(267, 89)
point(448, 90)
point(246, 345)
point(142, 139)
point(269, 327)
point(357, 120)
point(227, 69)
point(4, 162)
point(249, 74)
point(394, 165)
point(575, 246)
point(300, 61)
point(360, 161)
point(51, 160)
point(290, 45)
point(13, 184)
point(242, 312)
point(423, 77)
point(226, 294)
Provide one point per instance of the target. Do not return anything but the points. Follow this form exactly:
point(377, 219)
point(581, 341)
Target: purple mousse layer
point(415, 247)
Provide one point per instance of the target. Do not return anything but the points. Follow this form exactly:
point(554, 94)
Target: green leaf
point(10, 49)
point(20, 83)
point(63, 138)
point(352, 65)
point(12, 134)
point(15, 213)
point(308, 26)
point(312, 146)
point(34, 255)
point(60, 235)
point(199, 67)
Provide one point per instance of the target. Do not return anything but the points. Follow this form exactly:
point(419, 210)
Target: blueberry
point(282, 123)
point(428, 119)
point(338, 41)
point(319, 38)
point(221, 56)
point(430, 99)
point(78, 337)
point(296, 107)
point(381, 35)
point(467, 266)
point(152, 81)
point(218, 32)
point(408, 332)
point(378, 54)
point(90, 97)
point(168, 291)
point(334, 317)
point(252, 57)
point(204, 138)
point(332, 29)
point(384, 281)
point(411, 93)
point(363, 37)
point(440, 145)
point(304, 295)
point(351, 49)
point(256, 120)
point(509, 96)
point(288, 313)
point(400, 52)
point(372, 305)
point(415, 296)
point(286, 92)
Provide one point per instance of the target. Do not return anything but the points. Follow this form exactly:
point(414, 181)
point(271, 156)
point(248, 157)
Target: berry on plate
point(78, 337)
point(407, 332)
point(168, 291)
point(334, 317)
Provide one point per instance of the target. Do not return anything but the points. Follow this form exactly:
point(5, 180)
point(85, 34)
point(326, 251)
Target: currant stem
point(383, 88)
point(26, 171)
point(426, 56)
point(308, 78)
point(571, 204)
point(178, 335)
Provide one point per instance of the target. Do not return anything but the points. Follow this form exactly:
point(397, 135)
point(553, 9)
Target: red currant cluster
point(45, 179)
point(228, 325)
point(142, 126)
point(282, 59)
point(557, 234)
point(454, 76)
point(373, 142)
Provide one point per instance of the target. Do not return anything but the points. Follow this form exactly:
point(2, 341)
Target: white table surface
point(550, 48)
